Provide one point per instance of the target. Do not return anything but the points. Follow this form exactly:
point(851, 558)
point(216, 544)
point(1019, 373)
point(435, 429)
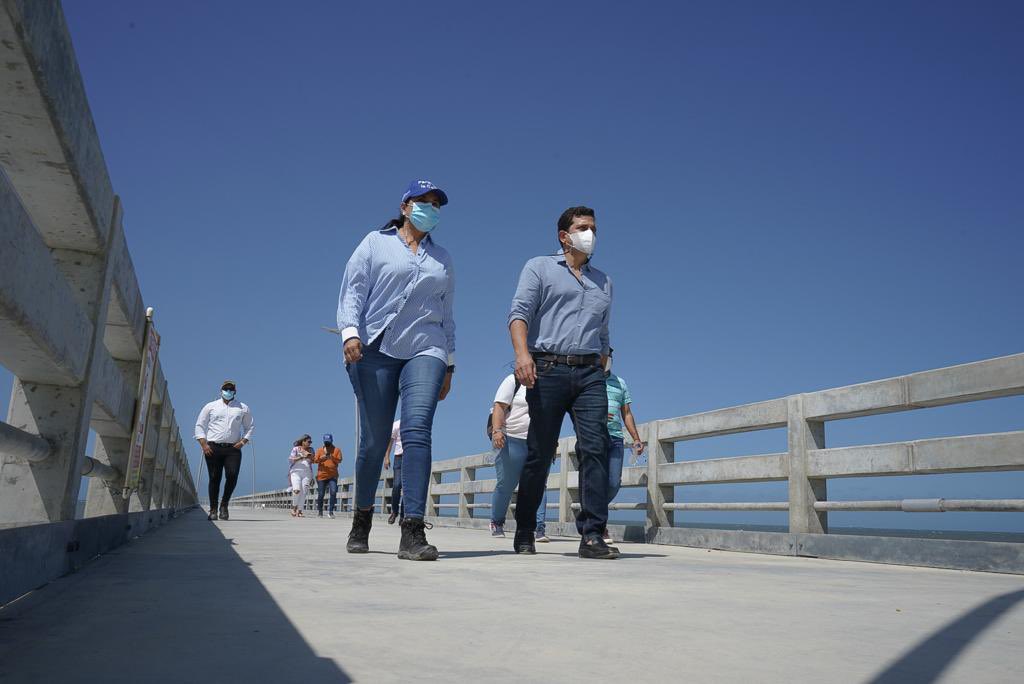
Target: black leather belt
point(222, 444)
point(570, 360)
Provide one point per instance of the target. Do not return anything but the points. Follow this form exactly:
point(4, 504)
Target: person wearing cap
point(396, 487)
point(559, 324)
point(396, 321)
point(223, 427)
point(327, 460)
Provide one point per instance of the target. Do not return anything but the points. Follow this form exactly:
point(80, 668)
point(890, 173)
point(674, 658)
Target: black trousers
point(225, 461)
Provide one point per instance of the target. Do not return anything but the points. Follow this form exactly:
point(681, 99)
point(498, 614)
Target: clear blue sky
point(790, 196)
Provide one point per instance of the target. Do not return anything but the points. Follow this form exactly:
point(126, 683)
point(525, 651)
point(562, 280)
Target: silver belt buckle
point(569, 360)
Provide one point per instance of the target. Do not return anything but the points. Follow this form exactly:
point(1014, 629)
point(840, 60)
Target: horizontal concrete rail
point(972, 453)
point(764, 415)
point(760, 468)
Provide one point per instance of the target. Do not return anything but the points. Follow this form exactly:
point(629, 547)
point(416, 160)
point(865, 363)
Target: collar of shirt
point(394, 229)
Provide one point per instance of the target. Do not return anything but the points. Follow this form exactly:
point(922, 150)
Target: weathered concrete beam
point(51, 148)
point(19, 444)
point(41, 327)
point(762, 415)
point(126, 317)
point(760, 468)
point(114, 395)
point(989, 379)
point(999, 451)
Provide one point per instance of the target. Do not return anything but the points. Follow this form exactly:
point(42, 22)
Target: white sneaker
point(607, 536)
point(542, 538)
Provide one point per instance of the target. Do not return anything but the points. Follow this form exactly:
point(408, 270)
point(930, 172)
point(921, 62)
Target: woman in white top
point(300, 471)
point(510, 423)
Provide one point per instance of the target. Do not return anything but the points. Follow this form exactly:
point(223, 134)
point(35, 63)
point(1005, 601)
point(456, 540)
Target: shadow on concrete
point(443, 555)
point(622, 556)
point(926, 661)
point(177, 605)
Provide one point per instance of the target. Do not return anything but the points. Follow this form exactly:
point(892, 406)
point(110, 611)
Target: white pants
point(300, 482)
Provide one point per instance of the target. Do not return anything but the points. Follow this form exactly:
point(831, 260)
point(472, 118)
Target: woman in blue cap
point(395, 317)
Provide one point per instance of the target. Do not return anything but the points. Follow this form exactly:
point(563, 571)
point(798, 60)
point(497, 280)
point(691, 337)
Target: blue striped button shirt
point(563, 315)
point(387, 290)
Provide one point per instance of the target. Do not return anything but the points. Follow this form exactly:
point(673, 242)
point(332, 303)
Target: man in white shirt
point(396, 490)
point(223, 427)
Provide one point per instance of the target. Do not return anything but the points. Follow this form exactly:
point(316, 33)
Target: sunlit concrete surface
point(265, 597)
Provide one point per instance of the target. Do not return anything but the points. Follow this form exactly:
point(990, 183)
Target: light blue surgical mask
point(227, 394)
point(424, 216)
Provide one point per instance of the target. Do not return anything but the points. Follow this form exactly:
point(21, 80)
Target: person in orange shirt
point(327, 459)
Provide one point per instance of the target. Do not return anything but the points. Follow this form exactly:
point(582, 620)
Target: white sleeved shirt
point(226, 423)
point(396, 435)
point(517, 423)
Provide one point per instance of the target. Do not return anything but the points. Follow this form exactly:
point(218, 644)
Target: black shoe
point(319, 514)
point(414, 544)
point(223, 511)
point(392, 518)
point(359, 537)
point(213, 513)
point(593, 546)
point(524, 542)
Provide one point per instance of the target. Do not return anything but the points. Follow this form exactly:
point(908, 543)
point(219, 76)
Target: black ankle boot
point(359, 537)
point(223, 511)
point(414, 544)
point(523, 542)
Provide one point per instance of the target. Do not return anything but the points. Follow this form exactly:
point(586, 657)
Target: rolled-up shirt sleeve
point(355, 284)
point(248, 425)
point(202, 423)
point(448, 314)
point(526, 300)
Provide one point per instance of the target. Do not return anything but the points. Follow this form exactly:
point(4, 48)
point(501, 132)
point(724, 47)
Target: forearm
point(498, 416)
point(517, 329)
point(631, 427)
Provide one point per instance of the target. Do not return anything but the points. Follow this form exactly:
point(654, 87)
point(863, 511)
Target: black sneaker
point(414, 544)
point(393, 517)
point(359, 536)
point(523, 542)
point(223, 511)
point(213, 513)
point(593, 546)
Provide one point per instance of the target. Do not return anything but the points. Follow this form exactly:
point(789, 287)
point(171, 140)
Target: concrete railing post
point(804, 491)
point(466, 475)
point(567, 496)
point(658, 453)
point(433, 499)
point(104, 498)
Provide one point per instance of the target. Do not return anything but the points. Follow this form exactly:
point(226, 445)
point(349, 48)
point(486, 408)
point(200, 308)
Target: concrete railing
point(72, 320)
point(807, 465)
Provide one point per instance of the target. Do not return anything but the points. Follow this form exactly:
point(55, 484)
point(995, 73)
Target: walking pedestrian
point(327, 460)
point(509, 425)
point(300, 472)
point(396, 486)
point(559, 327)
point(619, 413)
point(395, 313)
point(223, 427)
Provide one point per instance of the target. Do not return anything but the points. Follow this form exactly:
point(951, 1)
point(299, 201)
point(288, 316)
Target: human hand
point(446, 387)
point(526, 370)
point(638, 448)
point(239, 444)
point(353, 350)
point(498, 439)
point(207, 449)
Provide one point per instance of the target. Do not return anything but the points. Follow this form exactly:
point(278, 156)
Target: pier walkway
point(264, 597)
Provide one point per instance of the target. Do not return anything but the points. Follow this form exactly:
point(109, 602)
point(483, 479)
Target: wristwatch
point(451, 369)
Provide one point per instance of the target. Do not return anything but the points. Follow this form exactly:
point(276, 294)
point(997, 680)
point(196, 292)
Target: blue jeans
point(542, 510)
point(508, 465)
point(615, 453)
point(321, 485)
point(580, 391)
point(379, 381)
point(396, 487)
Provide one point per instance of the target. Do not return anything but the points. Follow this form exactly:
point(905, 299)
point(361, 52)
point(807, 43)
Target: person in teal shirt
point(619, 414)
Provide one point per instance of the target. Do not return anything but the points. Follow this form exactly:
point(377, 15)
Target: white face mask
point(608, 366)
point(583, 241)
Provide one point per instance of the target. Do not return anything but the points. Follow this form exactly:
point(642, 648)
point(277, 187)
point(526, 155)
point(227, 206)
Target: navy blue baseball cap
point(422, 187)
point(328, 437)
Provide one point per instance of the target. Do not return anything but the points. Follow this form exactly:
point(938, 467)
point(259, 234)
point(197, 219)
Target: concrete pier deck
point(264, 597)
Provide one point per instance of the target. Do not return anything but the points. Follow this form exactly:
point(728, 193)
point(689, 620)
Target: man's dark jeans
point(331, 485)
point(580, 391)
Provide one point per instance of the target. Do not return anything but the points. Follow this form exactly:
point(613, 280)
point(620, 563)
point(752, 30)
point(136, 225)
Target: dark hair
point(565, 220)
point(302, 439)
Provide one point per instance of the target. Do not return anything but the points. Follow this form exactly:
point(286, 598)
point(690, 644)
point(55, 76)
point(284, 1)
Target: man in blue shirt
point(559, 328)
